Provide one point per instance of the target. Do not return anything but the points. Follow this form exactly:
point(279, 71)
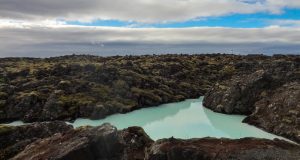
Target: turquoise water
point(187, 119)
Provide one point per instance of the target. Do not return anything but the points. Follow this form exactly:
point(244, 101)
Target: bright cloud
point(146, 11)
point(59, 32)
point(67, 37)
point(285, 22)
point(42, 27)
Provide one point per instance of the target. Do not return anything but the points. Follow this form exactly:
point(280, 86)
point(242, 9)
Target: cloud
point(284, 22)
point(145, 11)
point(59, 32)
point(54, 38)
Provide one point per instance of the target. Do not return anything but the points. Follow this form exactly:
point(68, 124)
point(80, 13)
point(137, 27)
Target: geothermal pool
point(187, 119)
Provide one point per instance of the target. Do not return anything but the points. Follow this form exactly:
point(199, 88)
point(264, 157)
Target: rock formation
point(265, 88)
point(271, 98)
point(106, 142)
point(15, 139)
point(90, 143)
point(279, 112)
point(68, 87)
point(222, 149)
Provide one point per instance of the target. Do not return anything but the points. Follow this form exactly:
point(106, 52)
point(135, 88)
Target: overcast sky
point(44, 28)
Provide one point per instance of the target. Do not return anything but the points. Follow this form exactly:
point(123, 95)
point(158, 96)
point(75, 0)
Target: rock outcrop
point(105, 142)
point(90, 143)
point(264, 88)
point(270, 97)
point(222, 149)
point(68, 87)
point(14, 139)
point(237, 95)
point(279, 112)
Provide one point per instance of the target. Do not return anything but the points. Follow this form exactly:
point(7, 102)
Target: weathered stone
point(122, 84)
point(106, 142)
point(15, 139)
point(90, 143)
point(222, 149)
point(281, 117)
point(270, 97)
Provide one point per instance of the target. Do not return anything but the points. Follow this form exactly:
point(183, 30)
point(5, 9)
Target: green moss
point(120, 87)
point(13, 69)
point(223, 87)
point(2, 103)
point(2, 80)
point(119, 84)
point(212, 61)
point(179, 97)
point(185, 85)
point(5, 129)
point(71, 103)
point(114, 104)
point(101, 91)
point(287, 120)
point(76, 99)
point(146, 93)
point(27, 94)
point(3, 95)
point(228, 70)
point(127, 103)
point(161, 93)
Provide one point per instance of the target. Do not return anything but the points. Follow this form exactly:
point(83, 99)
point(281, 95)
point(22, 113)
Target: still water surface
point(187, 119)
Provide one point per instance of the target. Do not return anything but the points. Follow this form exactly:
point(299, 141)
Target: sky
point(43, 28)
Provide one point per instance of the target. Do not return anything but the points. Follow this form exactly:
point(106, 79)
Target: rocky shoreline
point(106, 142)
point(270, 97)
point(265, 88)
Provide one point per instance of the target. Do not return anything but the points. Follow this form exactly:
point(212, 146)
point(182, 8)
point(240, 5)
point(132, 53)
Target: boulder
point(269, 97)
point(222, 149)
point(105, 142)
point(279, 112)
point(90, 143)
point(238, 95)
point(15, 139)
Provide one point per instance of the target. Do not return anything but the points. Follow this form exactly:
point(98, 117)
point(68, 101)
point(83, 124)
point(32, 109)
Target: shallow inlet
point(186, 119)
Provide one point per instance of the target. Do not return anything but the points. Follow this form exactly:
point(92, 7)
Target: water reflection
point(232, 126)
point(187, 119)
point(142, 117)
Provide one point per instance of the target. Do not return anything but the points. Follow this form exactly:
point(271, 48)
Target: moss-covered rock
point(3, 95)
point(14, 139)
point(84, 82)
point(2, 104)
point(5, 129)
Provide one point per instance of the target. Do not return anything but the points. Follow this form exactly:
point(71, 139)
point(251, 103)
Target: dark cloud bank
point(110, 49)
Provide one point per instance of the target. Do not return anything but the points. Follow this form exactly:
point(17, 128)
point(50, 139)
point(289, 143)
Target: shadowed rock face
point(15, 139)
point(222, 149)
point(239, 96)
point(136, 141)
point(106, 142)
point(279, 111)
point(270, 97)
point(89, 143)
